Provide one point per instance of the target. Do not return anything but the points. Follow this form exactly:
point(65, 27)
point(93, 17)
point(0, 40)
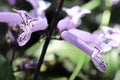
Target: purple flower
point(73, 18)
point(75, 13)
point(82, 39)
point(108, 39)
point(27, 23)
point(39, 6)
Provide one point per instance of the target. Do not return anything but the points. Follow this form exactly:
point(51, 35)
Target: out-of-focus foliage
point(6, 71)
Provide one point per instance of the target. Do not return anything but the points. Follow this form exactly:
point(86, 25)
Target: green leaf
point(60, 48)
point(78, 68)
point(59, 78)
point(112, 60)
point(6, 72)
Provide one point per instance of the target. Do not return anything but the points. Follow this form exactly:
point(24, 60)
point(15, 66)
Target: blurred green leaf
point(60, 78)
point(6, 72)
point(78, 68)
point(117, 75)
point(60, 48)
point(112, 60)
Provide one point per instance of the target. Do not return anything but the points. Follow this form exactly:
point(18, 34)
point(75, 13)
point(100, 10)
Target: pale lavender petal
point(112, 34)
point(65, 24)
point(23, 38)
point(9, 17)
point(40, 24)
point(73, 39)
point(42, 6)
point(76, 10)
point(83, 35)
point(76, 20)
point(24, 15)
point(96, 58)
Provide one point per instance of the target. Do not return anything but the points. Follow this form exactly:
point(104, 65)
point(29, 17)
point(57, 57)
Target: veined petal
point(39, 24)
point(96, 58)
point(10, 17)
point(23, 38)
point(73, 39)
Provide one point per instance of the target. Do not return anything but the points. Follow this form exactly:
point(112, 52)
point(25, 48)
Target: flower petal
point(98, 62)
point(9, 17)
point(43, 5)
point(23, 38)
point(63, 24)
point(83, 35)
point(73, 39)
point(75, 11)
point(39, 24)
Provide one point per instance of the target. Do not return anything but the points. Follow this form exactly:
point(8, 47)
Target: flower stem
point(106, 14)
point(52, 27)
point(77, 69)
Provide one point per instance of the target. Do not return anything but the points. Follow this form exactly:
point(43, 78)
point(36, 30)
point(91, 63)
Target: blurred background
point(63, 61)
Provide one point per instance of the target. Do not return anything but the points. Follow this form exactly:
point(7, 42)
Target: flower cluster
point(102, 42)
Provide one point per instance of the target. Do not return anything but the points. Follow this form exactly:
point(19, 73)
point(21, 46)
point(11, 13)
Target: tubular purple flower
point(10, 17)
point(29, 25)
point(71, 38)
point(80, 41)
point(26, 22)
